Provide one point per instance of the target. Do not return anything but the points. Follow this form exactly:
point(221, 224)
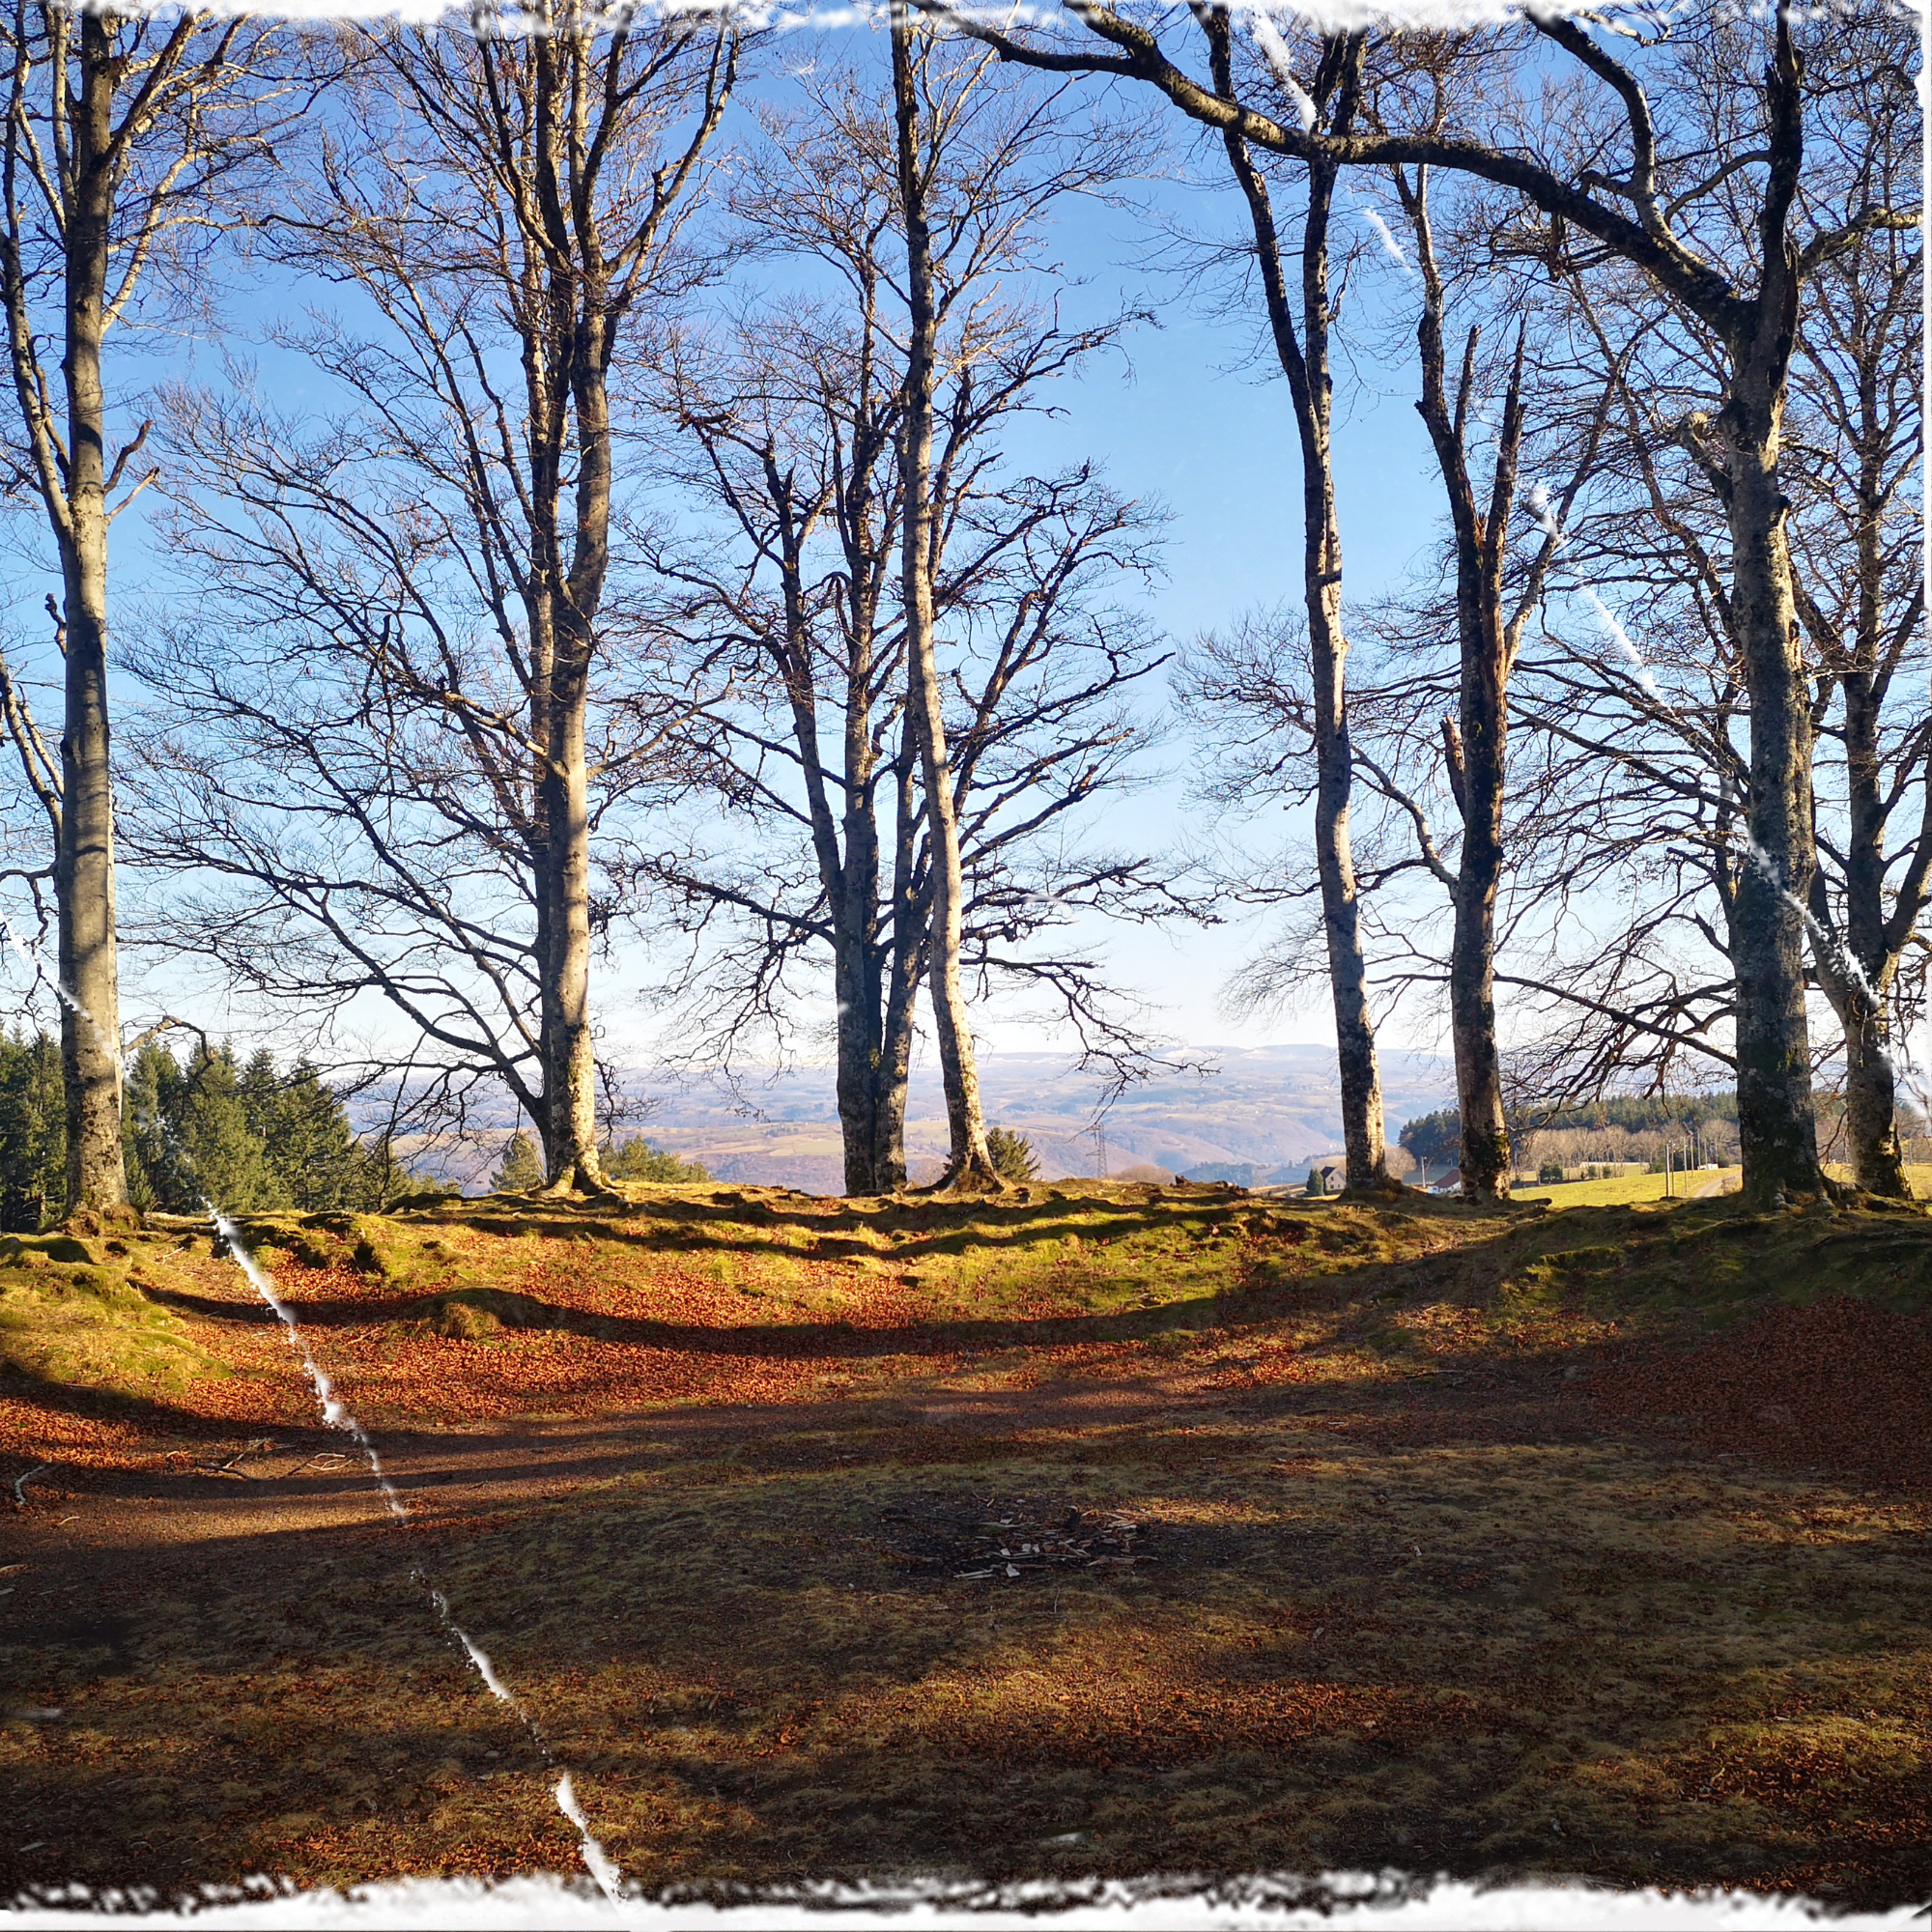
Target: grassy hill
point(1095, 1529)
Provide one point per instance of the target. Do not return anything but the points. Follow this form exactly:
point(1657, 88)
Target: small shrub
point(1549, 1171)
point(461, 1321)
point(476, 1314)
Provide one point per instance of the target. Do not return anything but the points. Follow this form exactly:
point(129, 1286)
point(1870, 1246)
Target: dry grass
point(1326, 1555)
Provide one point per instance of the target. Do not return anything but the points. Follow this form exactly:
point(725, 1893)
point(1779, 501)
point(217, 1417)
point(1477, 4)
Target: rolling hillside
point(1271, 1106)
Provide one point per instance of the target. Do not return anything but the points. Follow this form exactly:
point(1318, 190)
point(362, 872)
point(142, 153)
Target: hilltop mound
point(1106, 1529)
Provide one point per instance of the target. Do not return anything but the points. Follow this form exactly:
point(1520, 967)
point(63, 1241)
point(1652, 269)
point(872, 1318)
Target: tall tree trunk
point(851, 877)
point(1478, 764)
point(894, 1078)
point(571, 1052)
point(906, 964)
point(569, 1047)
point(855, 982)
point(84, 875)
point(1472, 1007)
point(1857, 977)
point(549, 805)
point(1475, 746)
point(1484, 759)
point(1776, 1129)
point(970, 1164)
point(1311, 388)
point(1871, 1102)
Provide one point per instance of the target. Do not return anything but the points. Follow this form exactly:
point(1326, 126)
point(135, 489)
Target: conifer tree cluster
point(213, 1126)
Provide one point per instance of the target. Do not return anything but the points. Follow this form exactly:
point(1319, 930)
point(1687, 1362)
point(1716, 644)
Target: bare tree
point(1426, 727)
point(1553, 152)
point(1653, 734)
point(1475, 744)
point(1860, 596)
point(122, 141)
point(971, 1163)
point(1304, 355)
point(464, 687)
point(796, 606)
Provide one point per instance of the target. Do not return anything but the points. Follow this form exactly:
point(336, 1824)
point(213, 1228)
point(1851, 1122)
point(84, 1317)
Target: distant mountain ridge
point(1267, 1107)
point(1261, 1107)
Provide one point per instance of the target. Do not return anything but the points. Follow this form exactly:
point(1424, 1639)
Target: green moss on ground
point(80, 1324)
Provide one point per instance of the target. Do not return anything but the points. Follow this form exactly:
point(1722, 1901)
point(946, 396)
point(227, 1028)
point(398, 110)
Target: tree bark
point(571, 1050)
point(1777, 1128)
point(851, 879)
point(84, 876)
point(569, 1047)
point(860, 1032)
point(1871, 1104)
point(1475, 748)
point(1857, 977)
point(910, 958)
point(970, 1163)
point(1311, 388)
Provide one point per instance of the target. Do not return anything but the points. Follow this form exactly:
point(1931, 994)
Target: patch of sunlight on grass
point(1918, 1177)
point(1629, 1190)
point(86, 1326)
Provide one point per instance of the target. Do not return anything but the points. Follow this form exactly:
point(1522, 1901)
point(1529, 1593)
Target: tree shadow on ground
point(1546, 1653)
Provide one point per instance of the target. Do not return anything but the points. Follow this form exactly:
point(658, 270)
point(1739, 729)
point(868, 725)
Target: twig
point(253, 1447)
point(21, 1484)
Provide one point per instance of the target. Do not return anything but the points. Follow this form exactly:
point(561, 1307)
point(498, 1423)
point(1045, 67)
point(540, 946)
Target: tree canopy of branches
point(795, 612)
point(625, 555)
point(422, 684)
point(1739, 282)
point(1647, 771)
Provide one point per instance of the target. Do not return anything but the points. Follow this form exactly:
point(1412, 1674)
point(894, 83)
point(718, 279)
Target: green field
point(1626, 1190)
point(1632, 1191)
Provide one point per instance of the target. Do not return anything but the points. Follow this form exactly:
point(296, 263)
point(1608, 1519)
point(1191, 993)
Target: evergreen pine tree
point(228, 1161)
point(376, 1177)
point(521, 1170)
point(33, 1134)
point(306, 1130)
point(1013, 1155)
point(246, 1137)
point(151, 1109)
point(638, 1160)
